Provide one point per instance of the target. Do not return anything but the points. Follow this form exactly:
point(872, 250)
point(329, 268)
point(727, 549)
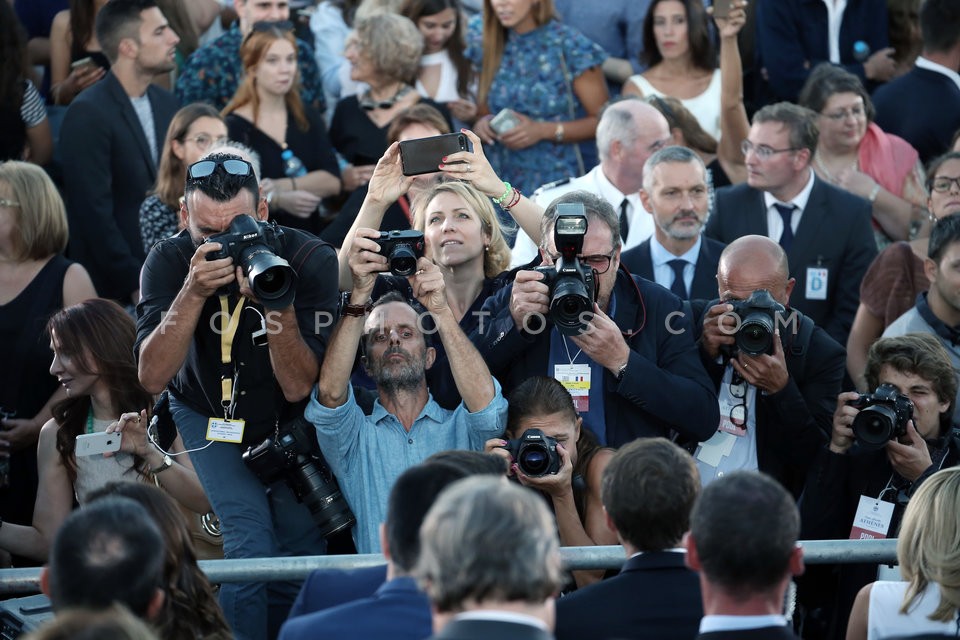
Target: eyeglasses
point(943, 184)
point(204, 141)
point(8, 203)
point(599, 263)
point(839, 116)
point(267, 25)
point(738, 389)
point(763, 151)
point(205, 168)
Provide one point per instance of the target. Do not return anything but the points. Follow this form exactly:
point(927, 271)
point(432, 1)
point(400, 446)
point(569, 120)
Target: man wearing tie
point(677, 256)
point(825, 231)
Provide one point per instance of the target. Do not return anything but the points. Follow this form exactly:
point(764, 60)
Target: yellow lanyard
point(229, 322)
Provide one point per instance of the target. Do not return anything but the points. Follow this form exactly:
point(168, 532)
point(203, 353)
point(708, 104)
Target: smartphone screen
point(424, 155)
point(721, 8)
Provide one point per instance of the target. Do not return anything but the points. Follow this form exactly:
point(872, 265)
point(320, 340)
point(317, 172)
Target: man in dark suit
point(677, 256)
point(110, 145)
point(923, 105)
point(490, 562)
point(637, 334)
point(827, 236)
point(743, 542)
point(776, 406)
point(648, 490)
point(398, 610)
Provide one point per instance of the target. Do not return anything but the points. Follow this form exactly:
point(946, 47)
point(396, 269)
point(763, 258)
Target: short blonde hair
point(41, 216)
point(928, 547)
point(392, 43)
point(496, 258)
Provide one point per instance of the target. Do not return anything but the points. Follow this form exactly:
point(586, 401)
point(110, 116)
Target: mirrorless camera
point(294, 457)
point(535, 453)
point(573, 288)
point(402, 249)
point(254, 246)
point(883, 416)
point(758, 320)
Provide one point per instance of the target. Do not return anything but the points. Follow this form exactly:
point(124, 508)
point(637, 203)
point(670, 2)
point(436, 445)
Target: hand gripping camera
point(402, 249)
point(573, 288)
point(758, 317)
point(293, 456)
point(254, 246)
point(883, 416)
point(535, 453)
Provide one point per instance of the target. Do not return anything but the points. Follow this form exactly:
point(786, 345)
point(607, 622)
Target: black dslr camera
point(758, 318)
point(573, 287)
point(883, 416)
point(402, 249)
point(294, 456)
point(535, 453)
point(254, 246)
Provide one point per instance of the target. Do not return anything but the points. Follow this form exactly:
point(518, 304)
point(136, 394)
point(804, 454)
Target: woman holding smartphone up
point(548, 74)
point(92, 344)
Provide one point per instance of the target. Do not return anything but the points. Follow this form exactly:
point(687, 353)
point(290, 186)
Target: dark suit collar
point(501, 629)
point(401, 584)
point(628, 301)
point(119, 95)
point(654, 560)
point(813, 222)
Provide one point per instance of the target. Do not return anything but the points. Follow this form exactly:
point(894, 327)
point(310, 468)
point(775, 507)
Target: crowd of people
point(686, 284)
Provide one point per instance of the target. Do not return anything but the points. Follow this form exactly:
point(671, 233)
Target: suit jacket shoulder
point(739, 211)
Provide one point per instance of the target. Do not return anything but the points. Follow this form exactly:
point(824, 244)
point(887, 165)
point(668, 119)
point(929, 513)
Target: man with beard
point(110, 145)
point(368, 452)
point(678, 256)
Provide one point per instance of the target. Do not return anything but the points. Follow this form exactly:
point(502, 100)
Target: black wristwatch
point(355, 310)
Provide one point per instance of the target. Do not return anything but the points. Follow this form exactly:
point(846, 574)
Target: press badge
point(872, 520)
point(817, 283)
point(224, 430)
point(575, 378)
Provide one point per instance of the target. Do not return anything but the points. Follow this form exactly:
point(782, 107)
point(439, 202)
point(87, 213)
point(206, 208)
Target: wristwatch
point(166, 464)
point(622, 370)
point(355, 310)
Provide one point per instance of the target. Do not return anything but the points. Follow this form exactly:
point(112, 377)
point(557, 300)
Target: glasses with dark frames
point(738, 389)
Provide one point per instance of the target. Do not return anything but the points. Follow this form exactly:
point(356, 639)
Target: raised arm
point(734, 124)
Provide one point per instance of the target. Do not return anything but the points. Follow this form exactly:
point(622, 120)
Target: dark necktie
point(624, 221)
point(678, 287)
point(786, 212)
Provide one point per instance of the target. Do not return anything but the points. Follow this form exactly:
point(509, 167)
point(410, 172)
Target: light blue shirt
point(663, 272)
point(368, 453)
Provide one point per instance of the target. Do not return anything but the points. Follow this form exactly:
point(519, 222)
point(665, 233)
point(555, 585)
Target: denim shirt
point(367, 453)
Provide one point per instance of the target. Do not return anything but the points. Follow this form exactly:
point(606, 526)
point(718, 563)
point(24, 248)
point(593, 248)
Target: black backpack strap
point(799, 346)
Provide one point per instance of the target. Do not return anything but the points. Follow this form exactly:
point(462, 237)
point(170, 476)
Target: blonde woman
point(928, 551)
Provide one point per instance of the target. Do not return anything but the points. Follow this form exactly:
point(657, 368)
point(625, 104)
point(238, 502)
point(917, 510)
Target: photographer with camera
point(776, 373)
point(620, 344)
point(882, 448)
point(550, 451)
point(406, 425)
point(235, 318)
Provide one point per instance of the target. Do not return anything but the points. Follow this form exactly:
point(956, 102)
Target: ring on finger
point(469, 168)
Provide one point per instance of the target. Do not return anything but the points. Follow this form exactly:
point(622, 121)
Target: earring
point(486, 248)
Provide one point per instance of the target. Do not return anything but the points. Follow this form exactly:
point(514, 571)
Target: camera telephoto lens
point(534, 460)
point(271, 278)
point(403, 261)
point(570, 301)
point(874, 426)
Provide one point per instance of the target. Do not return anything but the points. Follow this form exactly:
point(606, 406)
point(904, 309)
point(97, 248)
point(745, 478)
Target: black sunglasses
point(266, 25)
point(205, 168)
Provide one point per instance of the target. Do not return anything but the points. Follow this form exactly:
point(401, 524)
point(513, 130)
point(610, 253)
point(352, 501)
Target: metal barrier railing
point(611, 557)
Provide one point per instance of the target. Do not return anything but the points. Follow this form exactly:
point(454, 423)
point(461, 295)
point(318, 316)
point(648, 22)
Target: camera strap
point(229, 322)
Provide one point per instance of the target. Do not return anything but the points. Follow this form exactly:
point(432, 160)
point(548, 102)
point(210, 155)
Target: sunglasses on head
point(205, 168)
point(266, 25)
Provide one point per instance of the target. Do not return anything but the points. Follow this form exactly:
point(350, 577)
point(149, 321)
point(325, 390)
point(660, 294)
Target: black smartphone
point(721, 8)
point(424, 155)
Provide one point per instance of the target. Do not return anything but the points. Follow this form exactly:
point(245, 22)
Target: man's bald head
point(754, 262)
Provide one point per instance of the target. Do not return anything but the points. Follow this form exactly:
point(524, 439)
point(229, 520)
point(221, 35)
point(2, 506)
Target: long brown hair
point(83, 16)
point(252, 51)
point(99, 335)
point(416, 9)
point(189, 608)
point(495, 38)
point(172, 171)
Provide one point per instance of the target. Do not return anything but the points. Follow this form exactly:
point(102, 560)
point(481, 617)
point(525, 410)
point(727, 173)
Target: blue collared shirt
point(663, 272)
point(367, 453)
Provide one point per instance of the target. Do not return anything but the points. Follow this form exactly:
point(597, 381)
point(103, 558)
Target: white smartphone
point(89, 444)
point(504, 121)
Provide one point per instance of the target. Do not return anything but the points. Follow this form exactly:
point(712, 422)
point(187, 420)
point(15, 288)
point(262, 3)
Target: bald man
point(629, 132)
point(776, 406)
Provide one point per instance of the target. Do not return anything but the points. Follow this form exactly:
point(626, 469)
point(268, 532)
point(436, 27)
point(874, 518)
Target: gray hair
point(618, 122)
point(470, 519)
point(672, 153)
point(232, 147)
point(596, 209)
point(393, 43)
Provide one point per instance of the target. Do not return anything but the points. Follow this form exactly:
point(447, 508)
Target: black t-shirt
point(259, 398)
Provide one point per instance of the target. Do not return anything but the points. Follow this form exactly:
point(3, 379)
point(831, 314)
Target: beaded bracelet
point(506, 192)
point(513, 201)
